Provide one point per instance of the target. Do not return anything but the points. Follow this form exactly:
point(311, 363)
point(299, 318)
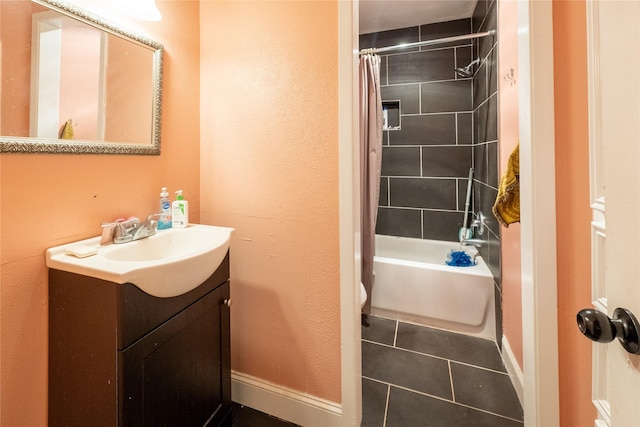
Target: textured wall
point(573, 220)
point(509, 134)
point(16, 74)
point(47, 200)
point(270, 170)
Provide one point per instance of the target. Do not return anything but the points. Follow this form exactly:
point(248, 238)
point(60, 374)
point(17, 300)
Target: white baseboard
point(284, 403)
point(513, 369)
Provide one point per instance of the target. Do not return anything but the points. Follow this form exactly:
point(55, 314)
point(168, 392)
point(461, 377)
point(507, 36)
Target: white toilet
point(363, 295)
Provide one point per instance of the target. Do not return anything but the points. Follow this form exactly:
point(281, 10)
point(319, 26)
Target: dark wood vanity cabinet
point(121, 357)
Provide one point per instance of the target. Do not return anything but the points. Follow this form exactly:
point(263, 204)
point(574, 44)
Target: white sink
point(169, 263)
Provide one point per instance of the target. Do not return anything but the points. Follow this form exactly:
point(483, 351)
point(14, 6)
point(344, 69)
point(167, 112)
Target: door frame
point(538, 228)
point(537, 204)
point(349, 202)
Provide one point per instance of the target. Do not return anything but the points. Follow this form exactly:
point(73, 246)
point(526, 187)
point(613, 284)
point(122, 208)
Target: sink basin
point(167, 264)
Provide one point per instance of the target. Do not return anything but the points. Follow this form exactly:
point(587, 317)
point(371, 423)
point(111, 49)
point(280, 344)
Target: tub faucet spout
point(472, 242)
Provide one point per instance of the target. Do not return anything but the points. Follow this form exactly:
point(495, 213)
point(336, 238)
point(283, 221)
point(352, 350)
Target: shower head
point(468, 70)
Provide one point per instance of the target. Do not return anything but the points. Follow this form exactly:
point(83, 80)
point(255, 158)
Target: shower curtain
point(370, 164)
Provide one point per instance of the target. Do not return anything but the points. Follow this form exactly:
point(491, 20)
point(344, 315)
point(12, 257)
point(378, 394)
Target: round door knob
point(596, 325)
point(599, 327)
point(228, 302)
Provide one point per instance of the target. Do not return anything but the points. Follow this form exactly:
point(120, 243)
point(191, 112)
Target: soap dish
point(81, 251)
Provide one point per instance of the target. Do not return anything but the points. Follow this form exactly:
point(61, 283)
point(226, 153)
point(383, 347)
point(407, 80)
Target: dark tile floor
point(419, 376)
point(413, 376)
point(243, 416)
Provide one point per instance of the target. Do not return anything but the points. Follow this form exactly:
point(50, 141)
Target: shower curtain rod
point(428, 42)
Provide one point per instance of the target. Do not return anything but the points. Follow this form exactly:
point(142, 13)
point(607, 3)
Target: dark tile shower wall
point(426, 162)
point(485, 148)
point(447, 125)
point(485, 117)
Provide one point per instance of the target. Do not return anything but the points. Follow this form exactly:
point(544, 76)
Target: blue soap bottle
point(164, 221)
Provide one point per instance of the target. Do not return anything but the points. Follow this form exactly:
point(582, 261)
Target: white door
point(614, 117)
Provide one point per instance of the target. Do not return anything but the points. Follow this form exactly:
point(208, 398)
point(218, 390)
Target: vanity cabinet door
point(179, 374)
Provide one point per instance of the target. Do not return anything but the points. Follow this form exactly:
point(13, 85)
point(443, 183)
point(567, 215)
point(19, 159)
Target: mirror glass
point(73, 83)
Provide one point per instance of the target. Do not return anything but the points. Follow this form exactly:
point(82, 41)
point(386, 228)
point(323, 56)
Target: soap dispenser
point(180, 211)
point(164, 221)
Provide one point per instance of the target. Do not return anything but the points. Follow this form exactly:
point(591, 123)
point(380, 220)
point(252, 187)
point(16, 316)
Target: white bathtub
point(413, 283)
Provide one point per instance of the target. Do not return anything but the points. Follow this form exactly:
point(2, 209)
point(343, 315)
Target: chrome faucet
point(477, 227)
point(128, 231)
point(146, 228)
point(478, 223)
point(472, 242)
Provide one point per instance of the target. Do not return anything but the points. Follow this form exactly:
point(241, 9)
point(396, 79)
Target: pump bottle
point(164, 221)
point(180, 211)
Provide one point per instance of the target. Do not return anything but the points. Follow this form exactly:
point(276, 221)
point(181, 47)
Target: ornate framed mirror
point(74, 83)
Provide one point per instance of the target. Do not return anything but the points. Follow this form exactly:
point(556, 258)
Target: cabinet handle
point(227, 302)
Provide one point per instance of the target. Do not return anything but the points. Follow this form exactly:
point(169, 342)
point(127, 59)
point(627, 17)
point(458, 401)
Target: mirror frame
point(53, 146)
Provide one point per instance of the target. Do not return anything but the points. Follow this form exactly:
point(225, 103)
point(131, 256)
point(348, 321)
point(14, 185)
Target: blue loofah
point(459, 259)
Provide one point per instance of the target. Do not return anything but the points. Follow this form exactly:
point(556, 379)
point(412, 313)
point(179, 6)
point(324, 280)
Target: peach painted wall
point(269, 168)
point(573, 211)
point(15, 30)
point(128, 83)
point(48, 200)
point(80, 81)
point(1, 257)
point(1, 74)
point(509, 123)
